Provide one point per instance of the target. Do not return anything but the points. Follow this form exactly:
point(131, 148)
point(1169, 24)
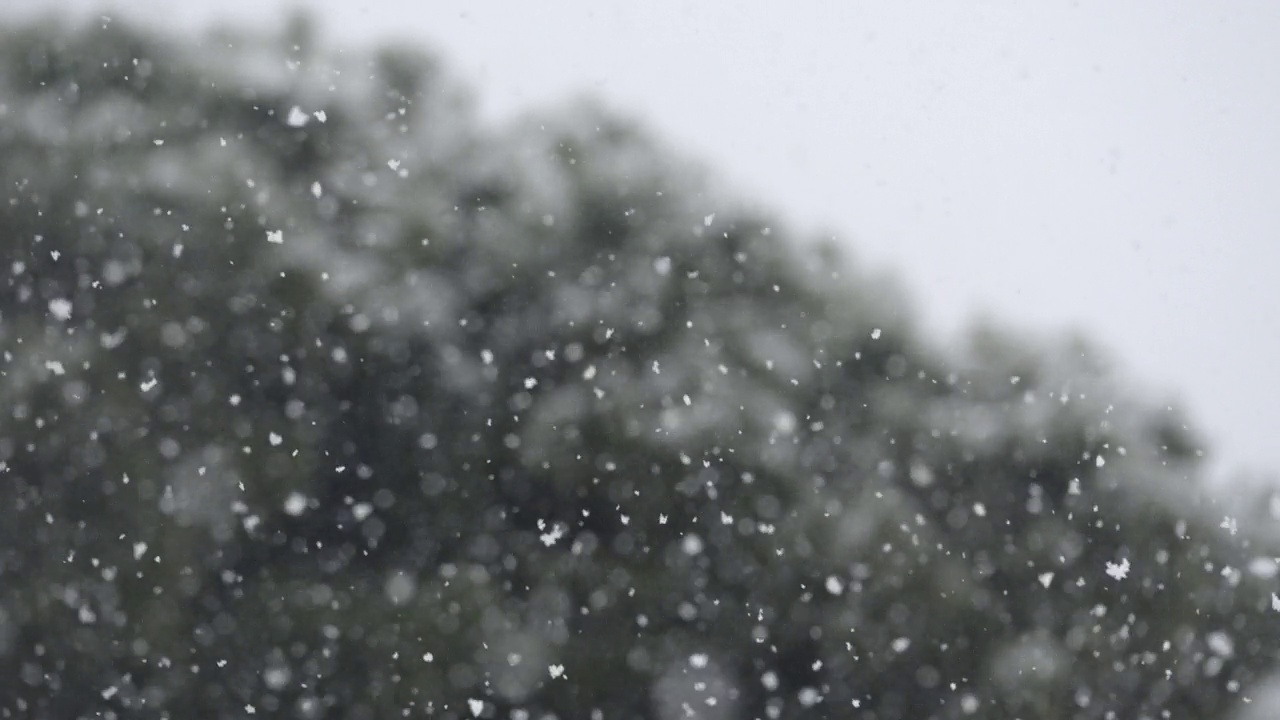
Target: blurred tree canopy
point(322, 400)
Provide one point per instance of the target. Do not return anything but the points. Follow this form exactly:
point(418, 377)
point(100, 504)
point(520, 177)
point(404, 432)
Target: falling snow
point(297, 118)
point(60, 308)
point(1120, 570)
point(521, 398)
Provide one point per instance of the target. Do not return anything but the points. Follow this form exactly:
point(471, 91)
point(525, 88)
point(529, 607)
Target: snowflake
point(61, 308)
point(1119, 570)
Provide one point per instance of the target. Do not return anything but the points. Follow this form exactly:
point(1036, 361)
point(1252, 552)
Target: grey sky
point(1111, 167)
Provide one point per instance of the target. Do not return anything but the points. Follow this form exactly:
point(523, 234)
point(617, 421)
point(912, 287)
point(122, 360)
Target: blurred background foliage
point(323, 400)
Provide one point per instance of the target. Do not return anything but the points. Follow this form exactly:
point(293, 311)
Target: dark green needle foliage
point(321, 399)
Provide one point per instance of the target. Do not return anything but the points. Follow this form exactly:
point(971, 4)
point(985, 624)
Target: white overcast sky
point(1112, 167)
